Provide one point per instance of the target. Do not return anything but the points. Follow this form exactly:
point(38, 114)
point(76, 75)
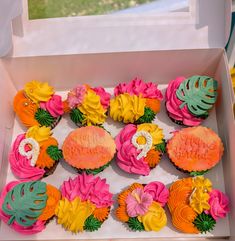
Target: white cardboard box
point(65, 66)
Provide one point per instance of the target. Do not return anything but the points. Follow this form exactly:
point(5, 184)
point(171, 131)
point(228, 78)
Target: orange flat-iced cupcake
point(195, 149)
point(89, 149)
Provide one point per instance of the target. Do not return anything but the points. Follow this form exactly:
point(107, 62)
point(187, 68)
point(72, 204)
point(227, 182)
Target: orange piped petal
point(183, 217)
point(153, 104)
point(44, 160)
point(52, 202)
point(121, 214)
point(66, 107)
point(153, 158)
point(122, 197)
point(25, 109)
point(101, 213)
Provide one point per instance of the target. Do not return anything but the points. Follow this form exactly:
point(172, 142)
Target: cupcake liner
point(50, 171)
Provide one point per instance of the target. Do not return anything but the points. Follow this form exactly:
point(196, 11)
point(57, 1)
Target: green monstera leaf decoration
point(25, 202)
point(199, 93)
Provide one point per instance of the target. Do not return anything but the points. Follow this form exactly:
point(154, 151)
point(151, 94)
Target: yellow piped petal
point(155, 219)
point(40, 134)
point(202, 183)
point(153, 130)
point(127, 108)
point(72, 215)
point(38, 91)
point(199, 201)
point(92, 109)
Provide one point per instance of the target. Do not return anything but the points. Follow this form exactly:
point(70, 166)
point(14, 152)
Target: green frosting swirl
point(148, 116)
point(198, 173)
point(92, 224)
point(204, 222)
point(44, 118)
point(76, 116)
point(135, 224)
point(55, 153)
point(94, 171)
point(161, 147)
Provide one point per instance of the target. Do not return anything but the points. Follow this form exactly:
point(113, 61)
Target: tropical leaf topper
point(199, 93)
point(25, 203)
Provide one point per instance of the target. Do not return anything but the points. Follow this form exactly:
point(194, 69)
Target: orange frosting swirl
point(25, 109)
point(183, 217)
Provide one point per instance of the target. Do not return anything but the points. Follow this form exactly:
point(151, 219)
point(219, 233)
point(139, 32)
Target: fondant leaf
point(199, 93)
point(25, 202)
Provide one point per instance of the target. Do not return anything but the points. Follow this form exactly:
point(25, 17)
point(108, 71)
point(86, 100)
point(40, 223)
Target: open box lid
point(205, 25)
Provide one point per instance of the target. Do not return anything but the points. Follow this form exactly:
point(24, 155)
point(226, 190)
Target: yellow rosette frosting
point(127, 108)
point(40, 134)
point(72, 215)
point(38, 91)
point(153, 130)
point(199, 201)
point(92, 109)
point(155, 219)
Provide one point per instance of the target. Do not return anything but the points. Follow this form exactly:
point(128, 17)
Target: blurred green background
point(63, 8)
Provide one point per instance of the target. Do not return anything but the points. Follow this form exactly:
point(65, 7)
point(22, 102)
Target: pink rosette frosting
point(88, 187)
point(127, 153)
point(54, 106)
point(138, 202)
point(219, 204)
point(76, 96)
point(35, 228)
point(104, 96)
point(137, 87)
point(158, 191)
point(20, 165)
point(173, 105)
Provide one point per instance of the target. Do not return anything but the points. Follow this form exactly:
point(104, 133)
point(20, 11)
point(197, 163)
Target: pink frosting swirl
point(137, 87)
point(127, 152)
point(20, 165)
point(35, 228)
point(76, 96)
point(158, 191)
point(219, 204)
point(88, 187)
point(54, 106)
point(104, 96)
point(173, 105)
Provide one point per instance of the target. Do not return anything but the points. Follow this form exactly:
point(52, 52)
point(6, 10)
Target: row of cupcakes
point(138, 148)
point(188, 102)
point(84, 202)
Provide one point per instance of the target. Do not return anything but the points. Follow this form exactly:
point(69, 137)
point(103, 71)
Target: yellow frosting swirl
point(153, 130)
point(155, 219)
point(72, 215)
point(127, 108)
point(202, 183)
point(40, 134)
point(199, 201)
point(92, 109)
point(38, 91)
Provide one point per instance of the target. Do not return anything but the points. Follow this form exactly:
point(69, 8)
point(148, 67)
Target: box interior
point(64, 72)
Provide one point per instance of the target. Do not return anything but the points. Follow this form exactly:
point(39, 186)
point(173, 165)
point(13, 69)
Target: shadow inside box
point(67, 167)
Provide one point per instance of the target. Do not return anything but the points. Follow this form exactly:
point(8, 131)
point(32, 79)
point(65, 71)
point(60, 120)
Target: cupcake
point(85, 203)
point(141, 206)
point(37, 104)
point(89, 149)
point(139, 148)
point(189, 101)
point(135, 102)
point(88, 106)
point(34, 154)
point(195, 149)
point(27, 207)
point(195, 206)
